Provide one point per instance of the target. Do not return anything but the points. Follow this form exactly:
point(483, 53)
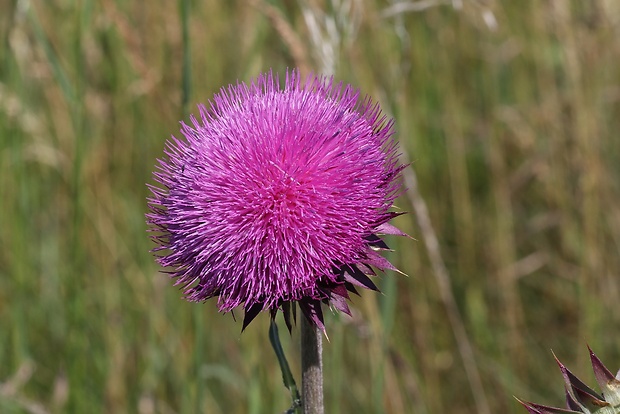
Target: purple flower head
point(276, 196)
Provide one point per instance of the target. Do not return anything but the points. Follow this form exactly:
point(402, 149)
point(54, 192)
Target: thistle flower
point(582, 399)
point(277, 196)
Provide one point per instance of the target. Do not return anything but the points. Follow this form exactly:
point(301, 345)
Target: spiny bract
point(582, 399)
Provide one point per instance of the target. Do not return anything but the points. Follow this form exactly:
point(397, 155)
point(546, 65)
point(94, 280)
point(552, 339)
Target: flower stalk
point(311, 368)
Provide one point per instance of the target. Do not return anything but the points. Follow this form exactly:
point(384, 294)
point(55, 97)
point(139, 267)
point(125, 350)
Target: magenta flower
point(277, 196)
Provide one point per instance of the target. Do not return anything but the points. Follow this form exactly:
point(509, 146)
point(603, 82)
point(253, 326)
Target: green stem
point(287, 376)
point(186, 78)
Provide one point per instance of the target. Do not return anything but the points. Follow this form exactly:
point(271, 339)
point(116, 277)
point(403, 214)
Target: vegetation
point(508, 110)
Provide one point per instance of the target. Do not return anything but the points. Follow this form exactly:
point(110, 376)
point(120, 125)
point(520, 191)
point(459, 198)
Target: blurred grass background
point(508, 110)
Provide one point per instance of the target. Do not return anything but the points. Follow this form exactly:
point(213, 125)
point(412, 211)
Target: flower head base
point(582, 399)
point(276, 196)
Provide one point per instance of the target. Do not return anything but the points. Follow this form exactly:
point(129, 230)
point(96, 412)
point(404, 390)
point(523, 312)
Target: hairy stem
point(311, 368)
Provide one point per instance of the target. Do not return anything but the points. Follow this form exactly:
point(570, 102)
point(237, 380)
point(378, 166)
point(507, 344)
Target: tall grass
point(509, 112)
